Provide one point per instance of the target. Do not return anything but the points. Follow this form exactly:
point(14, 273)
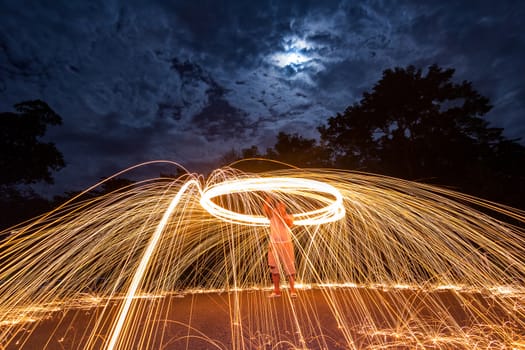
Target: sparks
point(397, 264)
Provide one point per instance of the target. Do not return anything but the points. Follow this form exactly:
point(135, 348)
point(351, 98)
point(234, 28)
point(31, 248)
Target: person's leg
point(276, 283)
point(274, 271)
point(287, 257)
point(291, 279)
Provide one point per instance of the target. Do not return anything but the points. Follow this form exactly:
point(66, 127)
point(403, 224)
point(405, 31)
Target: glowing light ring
point(333, 211)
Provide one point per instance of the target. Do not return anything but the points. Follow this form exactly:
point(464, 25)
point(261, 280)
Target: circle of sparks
point(312, 189)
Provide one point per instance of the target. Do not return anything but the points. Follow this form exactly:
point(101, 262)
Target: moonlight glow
point(291, 58)
point(293, 54)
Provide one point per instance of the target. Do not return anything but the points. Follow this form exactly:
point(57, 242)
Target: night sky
point(190, 80)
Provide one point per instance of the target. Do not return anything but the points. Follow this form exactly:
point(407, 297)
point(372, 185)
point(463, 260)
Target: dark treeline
point(414, 125)
point(26, 160)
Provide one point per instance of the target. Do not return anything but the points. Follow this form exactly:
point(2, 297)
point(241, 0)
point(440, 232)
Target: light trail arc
point(333, 211)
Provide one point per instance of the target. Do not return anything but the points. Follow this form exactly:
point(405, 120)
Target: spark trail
point(398, 264)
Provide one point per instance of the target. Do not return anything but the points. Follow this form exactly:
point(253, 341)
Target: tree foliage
point(24, 157)
point(423, 127)
point(291, 149)
point(25, 160)
point(297, 150)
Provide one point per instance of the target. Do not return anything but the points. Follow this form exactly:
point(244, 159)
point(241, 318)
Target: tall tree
point(297, 150)
point(291, 149)
point(24, 157)
point(421, 127)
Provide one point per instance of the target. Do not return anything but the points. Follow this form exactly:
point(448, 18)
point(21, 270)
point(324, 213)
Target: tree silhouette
point(296, 150)
point(423, 127)
point(24, 158)
point(292, 149)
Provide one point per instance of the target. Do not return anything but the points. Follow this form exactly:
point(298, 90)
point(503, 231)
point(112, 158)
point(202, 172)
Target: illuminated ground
point(203, 321)
point(417, 267)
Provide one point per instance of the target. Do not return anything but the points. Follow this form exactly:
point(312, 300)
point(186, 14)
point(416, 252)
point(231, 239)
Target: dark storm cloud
point(227, 33)
point(485, 44)
point(190, 80)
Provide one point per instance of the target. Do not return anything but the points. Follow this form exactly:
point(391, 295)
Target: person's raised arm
point(266, 207)
point(288, 219)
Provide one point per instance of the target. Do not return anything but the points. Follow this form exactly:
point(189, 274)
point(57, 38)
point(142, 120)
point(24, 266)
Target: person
point(281, 250)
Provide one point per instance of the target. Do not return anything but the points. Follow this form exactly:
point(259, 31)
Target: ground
point(320, 318)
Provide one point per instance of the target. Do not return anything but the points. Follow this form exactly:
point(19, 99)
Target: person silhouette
point(281, 255)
